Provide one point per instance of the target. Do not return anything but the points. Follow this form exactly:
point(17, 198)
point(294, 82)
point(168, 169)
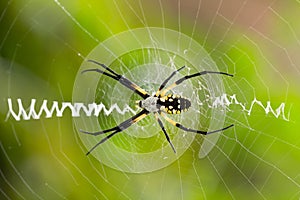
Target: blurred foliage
point(42, 45)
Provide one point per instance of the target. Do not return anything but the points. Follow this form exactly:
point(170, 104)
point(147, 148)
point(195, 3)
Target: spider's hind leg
point(178, 125)
point(179, 81)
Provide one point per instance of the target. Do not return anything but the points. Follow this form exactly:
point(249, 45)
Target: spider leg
point(165, 132)
point(167, 80)
point(179, 81)
point(193, 130)
point(101, 141)
point(124, 125)
point(121, 79)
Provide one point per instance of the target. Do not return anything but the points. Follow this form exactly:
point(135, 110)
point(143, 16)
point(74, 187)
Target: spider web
point(44, 46)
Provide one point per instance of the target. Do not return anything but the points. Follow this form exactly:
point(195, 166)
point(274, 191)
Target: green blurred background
point(42, 45)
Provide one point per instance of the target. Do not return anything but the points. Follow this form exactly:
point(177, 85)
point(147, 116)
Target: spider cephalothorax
point(158, 104)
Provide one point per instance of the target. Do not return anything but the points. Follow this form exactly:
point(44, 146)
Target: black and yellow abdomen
point(173, 104)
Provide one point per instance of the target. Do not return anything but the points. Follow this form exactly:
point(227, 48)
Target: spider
point(159, 104)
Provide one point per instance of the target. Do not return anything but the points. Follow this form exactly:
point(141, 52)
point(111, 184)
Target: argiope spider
point(159, 103)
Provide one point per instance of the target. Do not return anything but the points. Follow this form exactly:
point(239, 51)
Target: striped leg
point(193, 130)
point(124, 125)
point(121, 79)
point(165, 132)
point(179, 81)
point(167, 80)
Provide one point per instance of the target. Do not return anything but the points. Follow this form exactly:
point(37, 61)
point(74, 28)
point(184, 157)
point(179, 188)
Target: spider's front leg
point(122, 126)
point(121, 79)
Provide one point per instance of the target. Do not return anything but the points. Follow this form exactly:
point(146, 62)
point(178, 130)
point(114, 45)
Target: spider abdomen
point(173, 104)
